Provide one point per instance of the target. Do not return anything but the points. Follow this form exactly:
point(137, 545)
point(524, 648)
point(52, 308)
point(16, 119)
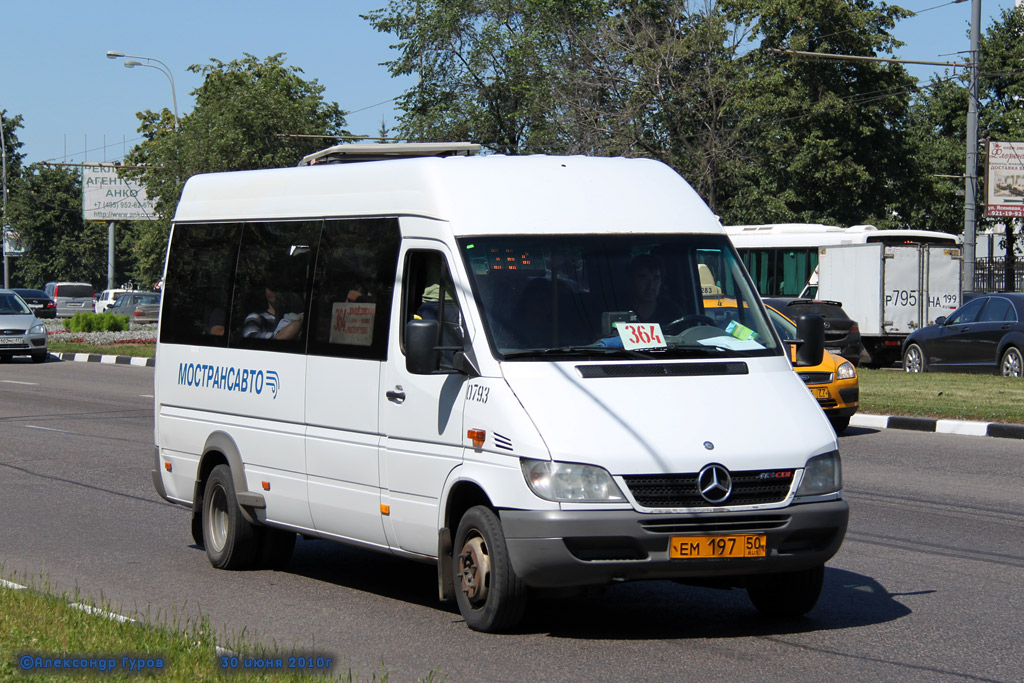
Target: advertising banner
point(13, 244)
point(1004, 188)
point(108, 197)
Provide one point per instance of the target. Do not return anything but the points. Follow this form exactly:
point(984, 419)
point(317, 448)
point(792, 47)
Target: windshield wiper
point(578, 351)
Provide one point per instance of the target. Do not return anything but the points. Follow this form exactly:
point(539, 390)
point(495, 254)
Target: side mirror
point(941, 320)
point(421, 354)
point(810, 329)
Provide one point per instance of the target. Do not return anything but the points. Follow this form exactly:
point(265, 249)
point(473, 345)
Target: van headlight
point(823, 474)
point(570, 482)
point(846, 371)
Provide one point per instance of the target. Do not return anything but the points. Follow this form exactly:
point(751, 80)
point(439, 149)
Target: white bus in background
point(782, 257)
point(890, 282)
point(443, 359)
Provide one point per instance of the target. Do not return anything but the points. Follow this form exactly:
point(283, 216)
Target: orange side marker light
point(477, 436)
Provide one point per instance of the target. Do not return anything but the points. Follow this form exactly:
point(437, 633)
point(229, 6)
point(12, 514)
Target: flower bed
point(138, 334)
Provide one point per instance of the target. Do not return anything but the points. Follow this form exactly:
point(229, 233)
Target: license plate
point(710, 547)
point(820, 392)
point(12, 340)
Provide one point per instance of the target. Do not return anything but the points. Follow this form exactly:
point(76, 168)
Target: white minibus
point(497, 364)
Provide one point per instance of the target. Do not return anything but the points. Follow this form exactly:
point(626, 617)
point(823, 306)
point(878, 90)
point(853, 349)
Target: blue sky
point(80, 106)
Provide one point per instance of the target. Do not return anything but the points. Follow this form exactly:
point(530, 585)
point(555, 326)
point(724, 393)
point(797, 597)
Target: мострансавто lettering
point(228, 378)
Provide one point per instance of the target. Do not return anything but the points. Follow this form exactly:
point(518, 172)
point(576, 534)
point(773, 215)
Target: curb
point(109, 360)
point(925, 424)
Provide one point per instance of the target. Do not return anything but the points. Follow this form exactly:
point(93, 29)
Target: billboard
point(108, 197)
point(1004, 173)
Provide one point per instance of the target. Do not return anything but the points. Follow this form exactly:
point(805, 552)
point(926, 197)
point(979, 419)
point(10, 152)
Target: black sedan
point(39, 301)
point(842, 335)
point(984, 335)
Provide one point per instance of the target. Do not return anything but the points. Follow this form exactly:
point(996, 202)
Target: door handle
point(396, 395)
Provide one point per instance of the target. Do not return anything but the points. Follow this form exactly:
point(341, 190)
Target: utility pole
point(971, 176)
point(3, 215)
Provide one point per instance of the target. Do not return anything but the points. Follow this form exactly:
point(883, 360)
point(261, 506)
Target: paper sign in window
point(352, 323)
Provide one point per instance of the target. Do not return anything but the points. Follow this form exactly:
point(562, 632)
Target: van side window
point(200, 270)
point(352, 288)
point(271, 291)
point(430, 295)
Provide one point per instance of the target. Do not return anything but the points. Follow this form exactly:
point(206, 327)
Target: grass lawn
point(984, 398)
point(39, 632)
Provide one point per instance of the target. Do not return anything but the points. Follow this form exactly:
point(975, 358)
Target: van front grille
point(758, 487)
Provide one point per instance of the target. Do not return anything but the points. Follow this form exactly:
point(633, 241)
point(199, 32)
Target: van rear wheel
point(232, 542)
point(490, 596)
point(788, 595)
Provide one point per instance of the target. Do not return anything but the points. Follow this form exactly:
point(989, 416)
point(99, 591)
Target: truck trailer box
point(890, 290)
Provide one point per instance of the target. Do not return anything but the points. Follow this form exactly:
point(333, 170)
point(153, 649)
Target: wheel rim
point(1012, 364)
point(475, 570)
point(912, 363)
point(217, 519)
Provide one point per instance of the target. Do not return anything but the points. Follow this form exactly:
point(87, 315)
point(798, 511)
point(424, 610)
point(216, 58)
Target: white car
point(107, 298)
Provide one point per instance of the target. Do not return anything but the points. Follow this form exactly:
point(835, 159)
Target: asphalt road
point(929, 584)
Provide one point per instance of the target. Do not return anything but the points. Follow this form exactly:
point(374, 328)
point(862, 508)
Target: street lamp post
point(131, 63)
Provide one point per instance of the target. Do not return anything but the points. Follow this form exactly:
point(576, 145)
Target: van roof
point(479, 195)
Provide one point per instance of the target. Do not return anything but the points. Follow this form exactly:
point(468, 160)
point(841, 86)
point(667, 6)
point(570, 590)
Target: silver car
point(21, 333)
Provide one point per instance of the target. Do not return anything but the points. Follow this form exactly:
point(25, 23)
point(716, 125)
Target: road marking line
point(145, 395)
point(47, 429)
point(89, 609)
point(14, 381)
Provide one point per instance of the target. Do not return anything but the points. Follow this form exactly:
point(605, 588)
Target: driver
point(646, 299)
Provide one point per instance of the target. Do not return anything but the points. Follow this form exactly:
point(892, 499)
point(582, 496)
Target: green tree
point(932, 198)
point(46, 207)
point(1001, 91)
point(486, 68)
point(11, 124)
point(248, 114)
point(829, 142)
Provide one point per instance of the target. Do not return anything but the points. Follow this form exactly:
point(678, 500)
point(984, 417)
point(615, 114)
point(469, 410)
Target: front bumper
point(579, 548)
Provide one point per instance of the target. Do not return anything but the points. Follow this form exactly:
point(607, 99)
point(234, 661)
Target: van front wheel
point(788, 595)
point(232, 542)
point(491, 597)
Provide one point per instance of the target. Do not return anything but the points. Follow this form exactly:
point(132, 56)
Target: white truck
point(889, 290)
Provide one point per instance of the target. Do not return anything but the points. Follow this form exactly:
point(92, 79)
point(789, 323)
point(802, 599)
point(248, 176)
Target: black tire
point(232, 542)
point(839, 424)
point(1012, 364)
point(788, 595)
point(276, 548)
point(913, 359)
point(491, 597)
point(40, 357)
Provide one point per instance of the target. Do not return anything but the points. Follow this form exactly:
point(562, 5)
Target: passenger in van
point(646, 298)
point(272, 323)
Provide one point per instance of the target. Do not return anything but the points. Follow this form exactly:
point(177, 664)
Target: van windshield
point(615, 296)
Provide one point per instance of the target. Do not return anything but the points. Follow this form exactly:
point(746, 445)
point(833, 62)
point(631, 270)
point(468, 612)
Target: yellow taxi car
point(833, 382)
